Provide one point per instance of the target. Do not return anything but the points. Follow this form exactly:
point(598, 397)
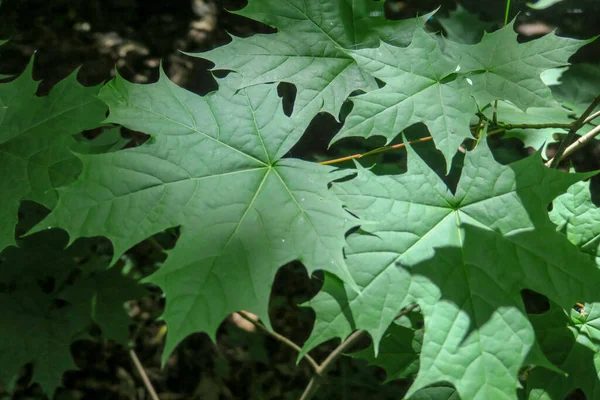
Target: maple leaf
point(503, 69)
point(213, 167)
point(576, 215)
point(323, 73)
point(464, 258)
point(578, 87)
point(462, 26)
point(38, 333)
point(44, 324)
point(35, 136)
point(572, 342)
point(102, 296)
point(398, 354)
point(421, 86)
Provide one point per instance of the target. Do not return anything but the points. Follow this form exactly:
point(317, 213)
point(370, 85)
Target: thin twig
point(507, 12)
point(326, 365)
point(143, 375)
point(579, 143)
point(592, 117)
point(495, 131)
point(525, 126)
point(535, 126)
point(375, 151)
point(572, 131)
point(495, 113)
point(156, 245)
point(280, 338)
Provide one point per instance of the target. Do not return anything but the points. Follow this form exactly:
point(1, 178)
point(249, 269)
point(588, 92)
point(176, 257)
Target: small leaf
point(35, 136)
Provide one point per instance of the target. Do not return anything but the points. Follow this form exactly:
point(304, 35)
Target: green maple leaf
point(420, 87)
point(461, 26)
point(323, 73)
point(44, 324)
point(464, 258)
point(35, 136)
point(398, 354)
point(38, 333)
point(101, 296)
point(576, 215)
point(503, 69)
point(572, 342)
point(578, 87)
point(213, 167)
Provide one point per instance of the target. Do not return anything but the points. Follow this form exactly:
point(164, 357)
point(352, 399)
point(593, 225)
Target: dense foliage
point(441, 262)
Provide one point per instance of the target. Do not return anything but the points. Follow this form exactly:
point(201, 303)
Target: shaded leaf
point(572, 342)
point(35, 136)
point(578, 88)
point(398, 353)
point(49, 298)
point(463, 258)
point(461, 26)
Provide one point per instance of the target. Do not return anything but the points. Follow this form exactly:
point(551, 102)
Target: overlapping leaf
point(576, 215)
point(579, 85)
point(398, 353)
point(503, 69)
point(421, 86)
point(463, 258)
point(572, 342)
point(42, 322)
point(35, 136)
point(307, 49)
point(461, 26)
point(212, 167)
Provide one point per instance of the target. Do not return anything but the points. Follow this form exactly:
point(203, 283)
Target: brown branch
point(326, 365)
point(572, 132)
point(280, 338)
point(142, 372)
point(375, 151)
